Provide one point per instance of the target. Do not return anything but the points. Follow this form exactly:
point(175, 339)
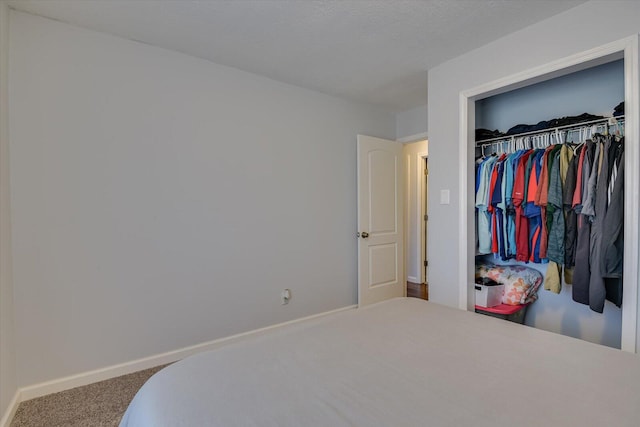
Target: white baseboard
point(11, 410)
point(413, 279)
point(102, 374)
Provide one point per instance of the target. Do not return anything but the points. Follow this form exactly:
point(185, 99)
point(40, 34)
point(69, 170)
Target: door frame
point(422, 209)
point(414, 168)
point(626, 49)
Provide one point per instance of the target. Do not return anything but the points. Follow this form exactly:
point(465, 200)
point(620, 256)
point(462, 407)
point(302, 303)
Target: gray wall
point(595, 90)
point(161, 201)
point(412, 124)
point(553, 39)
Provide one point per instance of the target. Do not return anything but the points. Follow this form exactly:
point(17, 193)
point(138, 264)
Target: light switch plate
point(444, 197)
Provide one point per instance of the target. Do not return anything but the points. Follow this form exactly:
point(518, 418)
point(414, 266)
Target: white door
point(380, 226)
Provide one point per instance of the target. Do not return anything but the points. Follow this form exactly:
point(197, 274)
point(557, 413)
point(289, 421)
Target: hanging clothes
point(519, 198)
point(597, 291)
point(555, 216)
point(541, 200)
point(571, 222)
point(612, 241)
point(567, 168)
point(580, 289)
point(562, 205)
point(531, 211)
point(482, 205)
point(555, 224)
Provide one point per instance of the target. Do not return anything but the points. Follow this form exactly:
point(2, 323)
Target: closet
point(564, 124)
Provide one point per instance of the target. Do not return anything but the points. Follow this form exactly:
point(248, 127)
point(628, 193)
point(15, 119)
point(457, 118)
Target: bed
point(402, 362)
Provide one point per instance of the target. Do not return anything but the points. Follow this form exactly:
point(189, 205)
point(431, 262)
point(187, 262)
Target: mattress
point(402, 362)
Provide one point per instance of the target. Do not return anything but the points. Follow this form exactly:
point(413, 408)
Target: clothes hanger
point(584, 134)
point(559, 138)
point(574, 145)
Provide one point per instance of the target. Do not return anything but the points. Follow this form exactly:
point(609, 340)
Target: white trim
point(407, 220)
point(463, 196)
point(626, 48)
point(413, 138)
point(580, 61)
point(11, 410)
point(419, 212)
point(102, 374)
point(463, 243)
point(417, 174)
point(630, 302)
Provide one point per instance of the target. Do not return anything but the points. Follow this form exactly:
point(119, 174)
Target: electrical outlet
point(286, 296)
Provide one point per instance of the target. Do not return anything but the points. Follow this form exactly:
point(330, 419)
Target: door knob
point(364, 234)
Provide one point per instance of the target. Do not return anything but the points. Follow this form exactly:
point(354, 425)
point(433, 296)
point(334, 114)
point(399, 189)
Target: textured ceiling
point(368, 51)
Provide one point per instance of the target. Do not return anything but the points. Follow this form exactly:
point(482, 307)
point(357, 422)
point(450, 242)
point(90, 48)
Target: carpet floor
point(99, 404)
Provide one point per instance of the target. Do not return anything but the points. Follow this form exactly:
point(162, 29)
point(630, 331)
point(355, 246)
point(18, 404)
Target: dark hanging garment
point(597, 290)
point(555, 215)
point(612, 239)
point(571, 222)
point(582, 271)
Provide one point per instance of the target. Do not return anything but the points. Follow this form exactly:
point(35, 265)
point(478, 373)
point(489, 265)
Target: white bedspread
point(403, 362)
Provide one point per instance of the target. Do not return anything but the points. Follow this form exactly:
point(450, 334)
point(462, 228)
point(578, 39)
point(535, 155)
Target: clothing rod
point(549, 130)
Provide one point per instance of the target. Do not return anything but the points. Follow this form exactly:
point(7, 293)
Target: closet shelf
point(551, 130)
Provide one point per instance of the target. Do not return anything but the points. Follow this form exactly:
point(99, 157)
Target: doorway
point(416, 218)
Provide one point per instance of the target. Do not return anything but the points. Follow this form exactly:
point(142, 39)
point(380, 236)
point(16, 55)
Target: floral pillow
point(520, 283)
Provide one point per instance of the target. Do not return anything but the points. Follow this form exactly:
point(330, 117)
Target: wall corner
point(9, 393)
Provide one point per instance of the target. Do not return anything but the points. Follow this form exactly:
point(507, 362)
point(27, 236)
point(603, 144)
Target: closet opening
point(620, 329)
